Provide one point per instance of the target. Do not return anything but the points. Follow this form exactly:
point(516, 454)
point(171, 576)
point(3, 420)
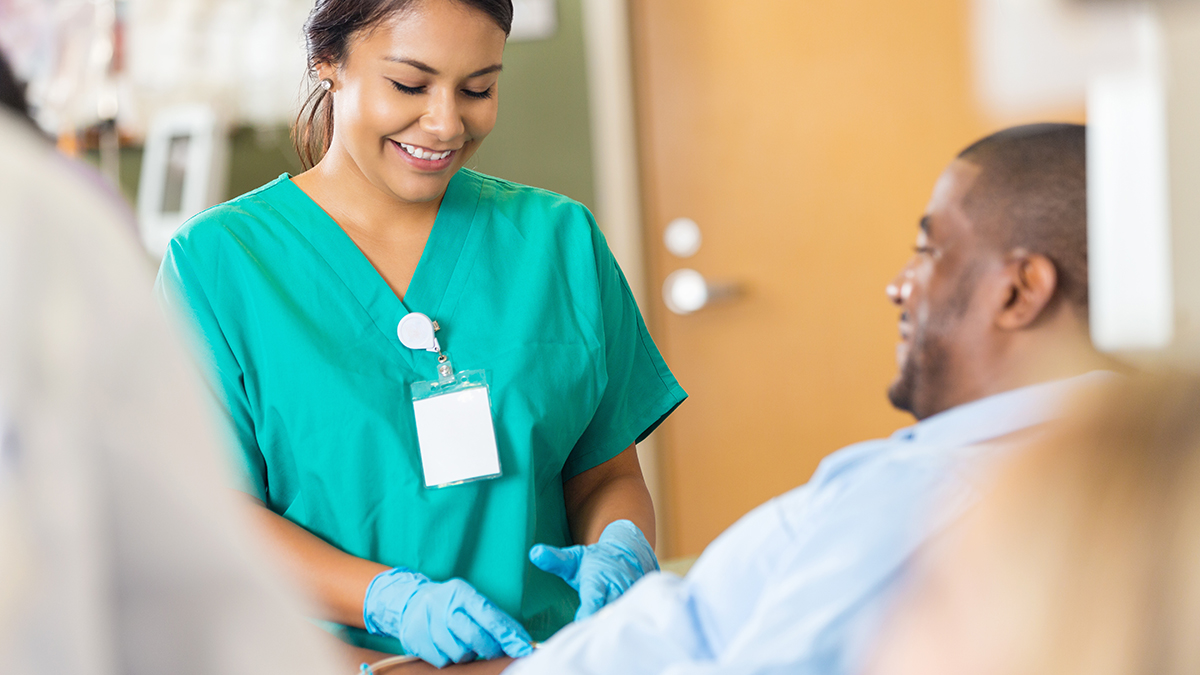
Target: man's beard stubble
point(921, 377)
point(924, 378)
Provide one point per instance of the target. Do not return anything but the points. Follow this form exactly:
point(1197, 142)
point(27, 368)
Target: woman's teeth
point(421, 153)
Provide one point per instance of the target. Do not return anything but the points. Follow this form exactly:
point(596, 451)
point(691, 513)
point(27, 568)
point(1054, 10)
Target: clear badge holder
point(454, 427)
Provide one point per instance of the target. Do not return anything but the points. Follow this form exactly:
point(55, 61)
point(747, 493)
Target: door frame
point(616, 171)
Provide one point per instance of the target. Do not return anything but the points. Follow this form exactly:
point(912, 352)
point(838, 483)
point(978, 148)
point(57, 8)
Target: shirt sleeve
point(646, 630)
point(820, 613)
point(640, 391)
point(181, 292)
point(665, 621)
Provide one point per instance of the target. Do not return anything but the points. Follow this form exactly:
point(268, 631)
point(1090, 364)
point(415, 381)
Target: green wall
point(542, 137)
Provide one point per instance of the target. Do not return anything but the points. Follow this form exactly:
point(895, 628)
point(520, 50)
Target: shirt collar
point(1000, 414)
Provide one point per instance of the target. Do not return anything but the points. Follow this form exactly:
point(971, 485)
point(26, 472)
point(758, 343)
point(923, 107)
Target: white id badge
point(454, 428)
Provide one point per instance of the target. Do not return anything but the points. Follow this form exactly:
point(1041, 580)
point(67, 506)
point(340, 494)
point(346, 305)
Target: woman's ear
point(325, 71)
point(1032, 280)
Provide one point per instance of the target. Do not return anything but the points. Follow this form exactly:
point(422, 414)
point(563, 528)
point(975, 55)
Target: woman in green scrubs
point(295, 291)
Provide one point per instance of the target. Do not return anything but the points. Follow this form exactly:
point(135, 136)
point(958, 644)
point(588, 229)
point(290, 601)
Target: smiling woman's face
point(415, 97)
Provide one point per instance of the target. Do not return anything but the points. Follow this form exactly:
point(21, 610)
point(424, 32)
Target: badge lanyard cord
point(384, 664)
point(393, 661)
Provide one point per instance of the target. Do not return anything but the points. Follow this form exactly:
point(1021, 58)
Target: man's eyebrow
point(426, 68)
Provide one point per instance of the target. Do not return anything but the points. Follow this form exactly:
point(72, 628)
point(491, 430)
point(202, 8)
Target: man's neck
point(1027, 361)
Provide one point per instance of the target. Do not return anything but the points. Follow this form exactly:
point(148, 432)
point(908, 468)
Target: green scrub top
point(298, 331)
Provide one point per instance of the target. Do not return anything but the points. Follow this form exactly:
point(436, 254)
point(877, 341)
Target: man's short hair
point(1032, 194)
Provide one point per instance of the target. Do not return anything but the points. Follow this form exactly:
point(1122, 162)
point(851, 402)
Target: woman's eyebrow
point(423, 67)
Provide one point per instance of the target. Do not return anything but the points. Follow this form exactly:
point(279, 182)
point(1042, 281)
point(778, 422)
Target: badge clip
point(416, 331)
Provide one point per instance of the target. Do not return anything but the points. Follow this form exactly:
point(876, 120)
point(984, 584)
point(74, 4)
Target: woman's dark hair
point(331, 26)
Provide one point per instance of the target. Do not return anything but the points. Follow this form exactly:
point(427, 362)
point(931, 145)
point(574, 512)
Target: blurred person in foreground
point(1083, 557)
point(994, 333)
point(119, 549)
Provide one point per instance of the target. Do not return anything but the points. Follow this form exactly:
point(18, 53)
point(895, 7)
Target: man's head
point(999, 277)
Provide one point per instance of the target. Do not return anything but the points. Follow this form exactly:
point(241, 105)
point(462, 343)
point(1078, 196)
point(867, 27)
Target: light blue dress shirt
point(800, 584)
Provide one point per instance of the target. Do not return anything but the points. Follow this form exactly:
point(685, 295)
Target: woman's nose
point(442, 119)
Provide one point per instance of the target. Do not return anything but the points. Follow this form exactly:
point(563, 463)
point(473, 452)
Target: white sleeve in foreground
point(649, 628)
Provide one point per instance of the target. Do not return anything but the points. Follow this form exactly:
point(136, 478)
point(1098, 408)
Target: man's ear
point(1032, 280)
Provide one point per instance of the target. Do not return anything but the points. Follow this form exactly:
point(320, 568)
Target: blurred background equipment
point(244, 58)
point(72, 55)
point(1135, 62)
point(533, 20)
point(184, 171)
point(1145, 218)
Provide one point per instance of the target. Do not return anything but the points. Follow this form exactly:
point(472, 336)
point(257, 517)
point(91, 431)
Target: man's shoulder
point(780, 520)
point(838, 463)
point(771, 520)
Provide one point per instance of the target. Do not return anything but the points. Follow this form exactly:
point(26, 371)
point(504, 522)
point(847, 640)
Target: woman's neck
point(339, 187)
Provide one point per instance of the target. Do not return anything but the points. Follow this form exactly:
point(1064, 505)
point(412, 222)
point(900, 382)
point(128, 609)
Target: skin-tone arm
point(337, 580)
point(614, 490)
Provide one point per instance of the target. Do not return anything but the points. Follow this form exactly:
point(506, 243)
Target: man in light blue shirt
point(993, 334)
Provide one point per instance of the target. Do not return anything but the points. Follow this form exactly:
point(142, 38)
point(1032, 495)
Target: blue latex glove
point(602, 571)
point(440, 622)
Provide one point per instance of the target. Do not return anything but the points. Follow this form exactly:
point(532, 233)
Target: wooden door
point(804, 137)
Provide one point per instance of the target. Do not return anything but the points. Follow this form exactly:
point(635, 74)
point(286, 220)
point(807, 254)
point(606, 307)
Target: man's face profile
point(933, 291)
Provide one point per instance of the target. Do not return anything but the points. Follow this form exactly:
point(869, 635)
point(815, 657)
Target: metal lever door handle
point(686, 291)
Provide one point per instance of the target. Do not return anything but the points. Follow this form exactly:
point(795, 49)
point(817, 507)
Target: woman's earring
point(327, 84)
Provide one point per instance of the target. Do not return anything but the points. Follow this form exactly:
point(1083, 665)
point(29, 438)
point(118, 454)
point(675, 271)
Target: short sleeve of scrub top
point(298, 334)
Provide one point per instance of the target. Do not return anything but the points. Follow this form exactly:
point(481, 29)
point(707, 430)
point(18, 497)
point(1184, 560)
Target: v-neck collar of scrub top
point(440, 272)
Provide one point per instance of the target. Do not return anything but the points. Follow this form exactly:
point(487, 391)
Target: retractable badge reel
point(454, 414)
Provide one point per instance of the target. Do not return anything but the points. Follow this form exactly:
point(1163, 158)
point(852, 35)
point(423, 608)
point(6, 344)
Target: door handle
point(686, 291)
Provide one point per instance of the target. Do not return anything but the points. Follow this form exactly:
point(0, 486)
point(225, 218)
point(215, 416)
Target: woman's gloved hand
point(440, 622)
point(602, 571)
